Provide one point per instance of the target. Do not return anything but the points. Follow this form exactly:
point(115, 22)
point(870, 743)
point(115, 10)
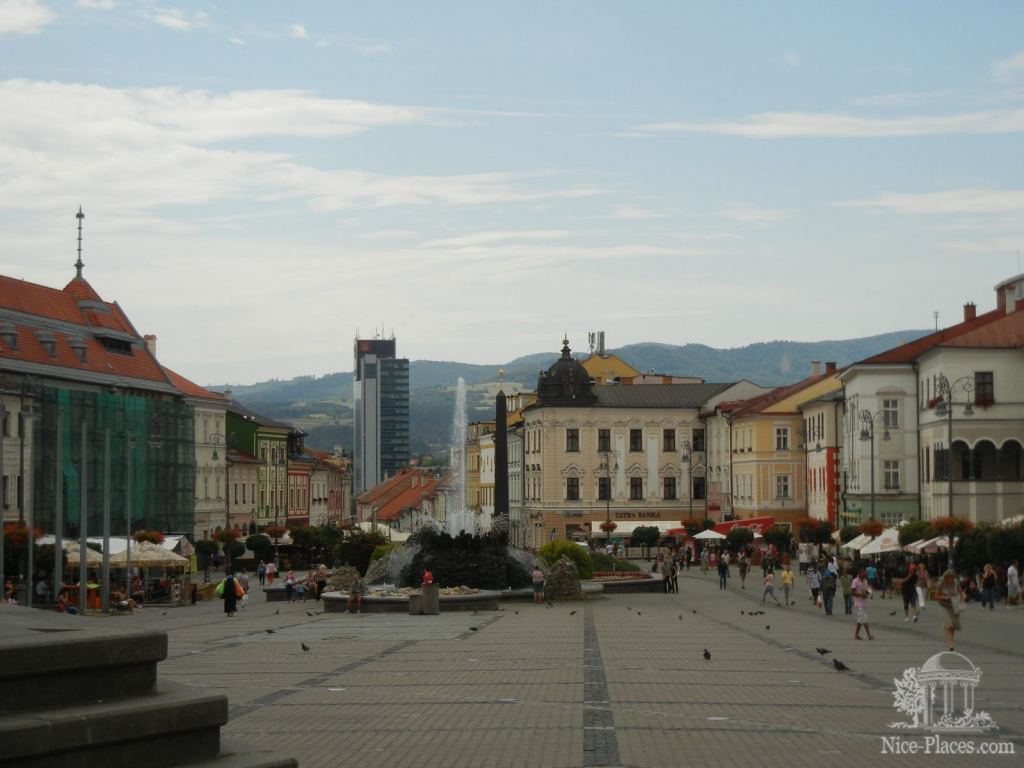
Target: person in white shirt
point(1012, 585)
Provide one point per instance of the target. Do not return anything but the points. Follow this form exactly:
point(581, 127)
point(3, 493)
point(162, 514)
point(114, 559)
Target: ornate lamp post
point(217, 440)
point(687, 456)
point(947, 390)
point(867, 433)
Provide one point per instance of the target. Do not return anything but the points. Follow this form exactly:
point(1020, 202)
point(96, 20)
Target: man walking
point(846, 584)
point(828, 590)
point(723, 572)
point(908, 589)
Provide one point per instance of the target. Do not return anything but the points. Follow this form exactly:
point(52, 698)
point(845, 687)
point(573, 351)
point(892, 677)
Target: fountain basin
point(484, 600)
point(628, 586)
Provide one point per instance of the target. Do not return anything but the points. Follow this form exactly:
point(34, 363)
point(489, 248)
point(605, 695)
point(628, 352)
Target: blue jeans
point(827, 596)
point(848, 603)
point(988, 596)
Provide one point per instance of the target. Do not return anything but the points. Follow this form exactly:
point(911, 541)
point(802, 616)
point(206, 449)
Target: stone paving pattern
point(621, 681)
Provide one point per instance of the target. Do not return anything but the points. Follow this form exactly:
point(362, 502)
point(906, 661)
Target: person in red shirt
point(428, 577)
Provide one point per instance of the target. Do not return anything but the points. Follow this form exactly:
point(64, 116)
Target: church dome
point(566, 382)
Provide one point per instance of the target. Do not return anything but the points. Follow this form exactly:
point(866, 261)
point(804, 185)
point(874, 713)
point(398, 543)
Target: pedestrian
point(538, 584)
point(703, 560)
point(744, 567)
point(666, 576)
point(271, 571)
point(988, 587)
point(675, 578)
point(355, 593)
point(872, 576)
point(300, 591)
point(846, 585)
point(861, 591)
point(950, 598)
point(922, 586)
point(828, 590)
point(230, 590)
point(814, 582)
point(908, 589)
point(723, 572)
point(787, 584)
point(769, 588)
point(261, 573)
point(289, 586)
point(689, 557)
point(321, 581)
point(1012, 584)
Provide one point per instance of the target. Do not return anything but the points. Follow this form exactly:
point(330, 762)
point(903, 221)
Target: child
point(300, 591)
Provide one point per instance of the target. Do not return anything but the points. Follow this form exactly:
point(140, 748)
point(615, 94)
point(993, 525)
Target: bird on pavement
point(517, 613)
point(707, 655)
point(767, 627)
point(164, 613)
point(572, 613)
point(305, 647)
point(270, 631)
point(277, 611)
point(693, 610)
point(638, 613)
point(823, 651)
point(892, 613)
point(680, 617)
point(550, 604)
point(742, 613)
point(473, 629)
point(840, 667)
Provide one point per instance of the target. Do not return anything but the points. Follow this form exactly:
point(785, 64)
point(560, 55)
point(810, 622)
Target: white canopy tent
point(858, 543)
point(914, 547)
point(709, 535)
point(887, 541)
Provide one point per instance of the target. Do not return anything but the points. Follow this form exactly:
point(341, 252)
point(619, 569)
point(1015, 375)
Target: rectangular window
point(636, 440)
point(984, 388)
point(782, 486)
point(604, 440)
point(699, 488)
point(891, 473)
point(636, 489)
point(572, 440)
point(572, 489)
point(698, 440)
point(604, 489)
point(891, 414)
point(669, 492)
point(236, 492)
point(782, 438)
point(668, 440)
point(206, 487)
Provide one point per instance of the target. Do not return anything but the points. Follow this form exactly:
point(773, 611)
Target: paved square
point(621, 683)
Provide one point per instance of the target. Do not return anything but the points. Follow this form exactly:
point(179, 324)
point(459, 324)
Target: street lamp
point(946, 391)
point(29, 389)
point(687, 456)
point(867, 433)
point(609, 455)
point(217, 440)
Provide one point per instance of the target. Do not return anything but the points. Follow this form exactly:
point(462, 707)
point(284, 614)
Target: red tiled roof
point(907, 353)
point(79, 288)
point(190, 388)
point(372, 494)
point(1007, 332)
point(761, 402)
point(411, 497)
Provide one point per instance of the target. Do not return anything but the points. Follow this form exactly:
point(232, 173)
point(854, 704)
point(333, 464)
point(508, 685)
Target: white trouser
point(921, 595)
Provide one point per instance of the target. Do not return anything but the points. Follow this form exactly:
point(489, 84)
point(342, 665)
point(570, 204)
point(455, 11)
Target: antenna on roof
point(79, 264)
point(935, 314)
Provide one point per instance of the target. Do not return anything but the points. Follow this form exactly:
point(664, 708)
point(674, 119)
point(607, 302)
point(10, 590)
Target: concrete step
point(235, 754)
point(168, 727)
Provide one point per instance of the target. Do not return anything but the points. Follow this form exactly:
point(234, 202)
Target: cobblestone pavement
point(619, 681)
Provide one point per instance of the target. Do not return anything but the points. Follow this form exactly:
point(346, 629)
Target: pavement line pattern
point(238, 710)
point(600, 744)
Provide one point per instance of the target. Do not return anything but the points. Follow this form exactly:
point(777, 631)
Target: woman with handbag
point(951, 599)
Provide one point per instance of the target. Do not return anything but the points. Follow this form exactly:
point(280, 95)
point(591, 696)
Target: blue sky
point(262, 181)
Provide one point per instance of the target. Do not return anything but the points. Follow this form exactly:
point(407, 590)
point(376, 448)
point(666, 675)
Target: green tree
point(645, 536)
point(261, 546)
point(205, 549)
point(356, 549)
point(848, 533)
point(551, 552)
point(739, 537)
point(778, 537)
point(913, 531)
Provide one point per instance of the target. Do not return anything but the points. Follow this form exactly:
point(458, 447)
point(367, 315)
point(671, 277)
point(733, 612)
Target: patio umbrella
point(709, 534)
point(914, 547)
point(74, 554)
point(146, 554)
point(857, 543)
point(888, 541)
point(934, 545)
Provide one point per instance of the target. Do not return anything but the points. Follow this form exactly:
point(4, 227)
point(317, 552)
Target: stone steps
point(81, 692)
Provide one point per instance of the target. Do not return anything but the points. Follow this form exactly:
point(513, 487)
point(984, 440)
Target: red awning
point(680, 532)
point(758, 524)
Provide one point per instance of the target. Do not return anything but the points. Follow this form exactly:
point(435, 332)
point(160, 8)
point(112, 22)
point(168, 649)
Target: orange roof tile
point(1005, 333)
point(190, 388)
point(411, 497)
point(907, 353)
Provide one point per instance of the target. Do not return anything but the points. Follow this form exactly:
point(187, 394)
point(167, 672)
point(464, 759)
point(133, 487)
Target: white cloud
point(752, 214)
point(96, 5)
point(949, 202)
point(388, 234)
point(785, 125)
point(372, 49)
point(1008, 68)
point(791, 59)
point(635, 212)
point(298, 32)
point(484, 238)
point(58, 139)
point(174, 18)
point(24, 17)
point(236, 41)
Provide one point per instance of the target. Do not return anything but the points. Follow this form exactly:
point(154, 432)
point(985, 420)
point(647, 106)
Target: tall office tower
point(381, 395)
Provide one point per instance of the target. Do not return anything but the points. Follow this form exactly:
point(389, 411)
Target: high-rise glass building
point(381, 401)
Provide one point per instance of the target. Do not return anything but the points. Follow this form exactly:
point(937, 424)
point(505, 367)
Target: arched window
point(985, 463)
point(1011, 461)
point(961, 461)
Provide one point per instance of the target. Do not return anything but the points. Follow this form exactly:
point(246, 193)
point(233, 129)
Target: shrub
point(739, 537)
point(553, 551)
point(383, 550)
point(605, 562)
point(154, 537)
point(261, 545)
point(912, 531)
point(224, 535)
point(778, 537)
point(275, 531)
point(644, 536)
point(206, 547)
point(356, 549)
point(950, 526)
point(848, 533)
point(236, 548)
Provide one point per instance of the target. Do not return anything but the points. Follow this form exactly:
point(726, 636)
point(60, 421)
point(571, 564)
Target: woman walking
point(951, 599)
point(908, 589)
point(230, 596)
point(988, 587)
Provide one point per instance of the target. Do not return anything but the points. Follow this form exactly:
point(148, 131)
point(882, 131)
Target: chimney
point(970, 311)
point(830, 367)
point(815, 367)
point(150, 340)
point(227, 394)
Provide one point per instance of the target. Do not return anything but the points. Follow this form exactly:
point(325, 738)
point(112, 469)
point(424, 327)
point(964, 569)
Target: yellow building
point(475, 500)
point(768, 453)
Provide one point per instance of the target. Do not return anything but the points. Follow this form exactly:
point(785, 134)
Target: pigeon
point(693, 610)
point(707, 655)
point(638, 613)
point(742, 613)
point(277, 611)
point(628, 608)
point(680, 617)
point(474, 613)
point(823, 651)
point(550, 604)
point(164, 613)
point(840, 667)
point(308, 613)
point(767, 627)
point(305, 647)
point(517, 613)
point(892, 613)
point(473, 629)
point(572, 613)
point(270, 631)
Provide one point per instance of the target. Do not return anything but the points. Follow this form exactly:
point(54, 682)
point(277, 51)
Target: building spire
point(79, 264)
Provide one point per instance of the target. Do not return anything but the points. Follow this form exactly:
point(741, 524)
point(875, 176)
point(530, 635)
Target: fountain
point(457, 517)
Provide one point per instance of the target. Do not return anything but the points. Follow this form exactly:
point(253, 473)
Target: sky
point(262, 181)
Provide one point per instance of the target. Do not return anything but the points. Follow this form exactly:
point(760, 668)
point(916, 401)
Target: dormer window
point(117, 346)
point(47, 342)
point(9, 334)
point(77, 344)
